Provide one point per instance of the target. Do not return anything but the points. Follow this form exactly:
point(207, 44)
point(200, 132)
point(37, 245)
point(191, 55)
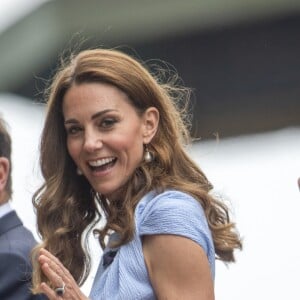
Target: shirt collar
point(5, 209)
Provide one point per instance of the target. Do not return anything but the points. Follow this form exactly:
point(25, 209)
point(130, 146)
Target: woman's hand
point(60, 278)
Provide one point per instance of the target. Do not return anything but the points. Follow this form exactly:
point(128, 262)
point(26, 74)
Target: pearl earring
point(78, 171)
point(147, 155)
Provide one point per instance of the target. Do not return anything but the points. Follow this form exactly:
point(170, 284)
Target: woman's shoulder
point(174, 212)
point(173, 201)
point(171, 211)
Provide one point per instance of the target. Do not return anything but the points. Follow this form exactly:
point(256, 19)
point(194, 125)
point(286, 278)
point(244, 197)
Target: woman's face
point(105, 135)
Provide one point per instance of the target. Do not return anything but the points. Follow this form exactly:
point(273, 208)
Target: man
point(16, 241)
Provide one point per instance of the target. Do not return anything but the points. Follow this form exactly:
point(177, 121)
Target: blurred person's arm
point(15, 278)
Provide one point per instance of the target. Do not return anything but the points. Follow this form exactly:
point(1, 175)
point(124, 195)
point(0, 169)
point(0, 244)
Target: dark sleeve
point(15, 278)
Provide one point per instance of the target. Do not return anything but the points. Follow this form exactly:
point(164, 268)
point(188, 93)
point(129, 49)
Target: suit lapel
point(9, 221)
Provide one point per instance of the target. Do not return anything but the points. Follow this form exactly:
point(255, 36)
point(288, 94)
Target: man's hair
point(5, 151)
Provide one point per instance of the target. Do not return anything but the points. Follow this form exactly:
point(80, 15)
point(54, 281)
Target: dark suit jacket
point(16, 243)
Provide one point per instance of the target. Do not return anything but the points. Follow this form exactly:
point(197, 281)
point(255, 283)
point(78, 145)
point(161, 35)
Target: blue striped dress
point(122, 273)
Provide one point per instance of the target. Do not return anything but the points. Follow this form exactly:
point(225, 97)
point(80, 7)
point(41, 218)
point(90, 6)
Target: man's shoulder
point(18, 240)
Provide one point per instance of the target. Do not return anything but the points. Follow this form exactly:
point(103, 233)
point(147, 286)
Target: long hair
point(66, 205)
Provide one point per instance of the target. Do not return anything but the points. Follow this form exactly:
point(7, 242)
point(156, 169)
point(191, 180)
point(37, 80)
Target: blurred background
point(241, 57)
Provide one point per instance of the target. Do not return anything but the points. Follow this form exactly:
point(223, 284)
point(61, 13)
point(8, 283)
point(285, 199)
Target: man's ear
point(150, 124)
point(4, 171)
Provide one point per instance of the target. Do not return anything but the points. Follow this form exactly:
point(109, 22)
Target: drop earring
point(78, 171)
point(147, 155)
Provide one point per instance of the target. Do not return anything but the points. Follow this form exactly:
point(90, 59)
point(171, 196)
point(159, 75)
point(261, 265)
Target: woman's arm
point(178, 268)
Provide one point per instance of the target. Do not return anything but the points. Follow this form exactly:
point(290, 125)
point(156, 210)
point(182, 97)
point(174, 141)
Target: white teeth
point(100, 162)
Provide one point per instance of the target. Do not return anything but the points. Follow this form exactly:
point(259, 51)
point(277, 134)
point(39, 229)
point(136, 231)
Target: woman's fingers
point(56, 266)
point(52, 266)
point(49, 292)
point(59, 277)
point(53, 262)
point(53, 276)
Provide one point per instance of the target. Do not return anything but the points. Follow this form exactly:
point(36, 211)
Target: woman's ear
point(150, 124)
point(4, 171)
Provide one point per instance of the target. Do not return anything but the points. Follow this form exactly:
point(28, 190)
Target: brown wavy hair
point(66, 205)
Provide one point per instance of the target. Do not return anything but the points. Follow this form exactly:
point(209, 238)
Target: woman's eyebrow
point(94, 116)
point(100, 113)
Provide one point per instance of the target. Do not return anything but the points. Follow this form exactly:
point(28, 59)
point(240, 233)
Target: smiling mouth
point(102, 164)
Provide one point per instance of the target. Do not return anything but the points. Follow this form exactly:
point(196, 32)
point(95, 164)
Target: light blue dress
point(122, 273)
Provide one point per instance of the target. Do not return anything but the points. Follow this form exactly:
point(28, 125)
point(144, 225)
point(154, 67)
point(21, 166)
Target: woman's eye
point(73, 130)
point(107, 123)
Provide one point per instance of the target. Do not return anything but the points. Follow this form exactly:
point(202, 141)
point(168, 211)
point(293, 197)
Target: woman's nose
point(92, 141)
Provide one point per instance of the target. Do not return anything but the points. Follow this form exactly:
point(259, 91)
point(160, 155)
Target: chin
point(110, 191)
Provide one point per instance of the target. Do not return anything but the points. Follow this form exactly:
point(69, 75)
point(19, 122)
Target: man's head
point(5, 163)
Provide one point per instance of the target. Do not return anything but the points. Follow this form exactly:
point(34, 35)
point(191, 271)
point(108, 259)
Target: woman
point(114, 141)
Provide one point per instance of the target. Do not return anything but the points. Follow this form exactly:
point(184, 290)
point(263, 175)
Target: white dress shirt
point(5, 209)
